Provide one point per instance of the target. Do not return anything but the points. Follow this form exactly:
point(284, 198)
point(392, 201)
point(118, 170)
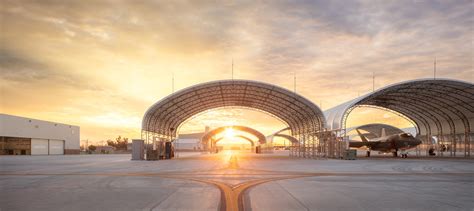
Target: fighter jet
point(387, 143)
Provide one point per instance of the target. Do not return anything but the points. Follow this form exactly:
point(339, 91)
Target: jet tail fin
point(382, 133)
point(364, 139)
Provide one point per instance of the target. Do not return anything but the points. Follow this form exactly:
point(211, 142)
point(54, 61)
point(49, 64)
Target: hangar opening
point(30, 146)
point(210, 139)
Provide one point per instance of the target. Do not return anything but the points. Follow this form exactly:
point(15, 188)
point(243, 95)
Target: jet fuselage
point(390, 143)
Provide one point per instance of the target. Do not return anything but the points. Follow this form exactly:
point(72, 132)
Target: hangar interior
point(15, 146)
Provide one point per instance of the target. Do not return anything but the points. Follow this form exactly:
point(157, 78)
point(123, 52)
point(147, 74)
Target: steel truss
point(162, 120)
point(315, 145)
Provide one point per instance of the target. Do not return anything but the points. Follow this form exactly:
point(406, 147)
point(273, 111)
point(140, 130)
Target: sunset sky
point(101, 64)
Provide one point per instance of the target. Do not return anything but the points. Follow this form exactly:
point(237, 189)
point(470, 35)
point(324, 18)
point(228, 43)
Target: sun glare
point(229, 133)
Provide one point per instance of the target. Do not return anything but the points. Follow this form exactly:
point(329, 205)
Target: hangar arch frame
point(349, 111)
point(209, 135)
point(163, 119)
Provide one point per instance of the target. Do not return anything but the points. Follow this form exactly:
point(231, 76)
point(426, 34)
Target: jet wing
point(370, 144)
point(357, 144)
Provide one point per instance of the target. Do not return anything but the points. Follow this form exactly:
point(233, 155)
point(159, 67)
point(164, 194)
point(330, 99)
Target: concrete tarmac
point(233, 181)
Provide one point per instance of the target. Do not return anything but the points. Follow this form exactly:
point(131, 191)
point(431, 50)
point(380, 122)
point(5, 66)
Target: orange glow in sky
point(102, 64)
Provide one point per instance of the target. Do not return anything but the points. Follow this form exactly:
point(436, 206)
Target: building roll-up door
point(56, 147)
point(39, 146)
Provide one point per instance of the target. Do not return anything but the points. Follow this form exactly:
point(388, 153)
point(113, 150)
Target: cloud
point(18, 68)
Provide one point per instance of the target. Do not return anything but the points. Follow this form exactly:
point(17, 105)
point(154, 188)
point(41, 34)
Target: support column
point(428, 144)
point(467, 144)
point(304, 146)
point(299, 145)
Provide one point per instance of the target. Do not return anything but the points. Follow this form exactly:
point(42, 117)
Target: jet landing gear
point(404, 153)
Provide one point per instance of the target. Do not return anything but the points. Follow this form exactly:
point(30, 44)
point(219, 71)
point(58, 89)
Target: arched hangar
point(441, 108)
point(209, 135)
point(163, 119)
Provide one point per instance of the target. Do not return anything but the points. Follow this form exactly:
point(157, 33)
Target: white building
point(26, 136)
point(189, 142)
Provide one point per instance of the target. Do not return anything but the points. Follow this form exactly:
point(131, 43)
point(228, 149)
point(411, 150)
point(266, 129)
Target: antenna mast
point(232, 68)
point(294, 82)
point(434, 69)
point(172, 83)
point(373, 81)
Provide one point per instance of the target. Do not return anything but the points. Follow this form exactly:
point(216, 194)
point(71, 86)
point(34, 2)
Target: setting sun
point(229, 133)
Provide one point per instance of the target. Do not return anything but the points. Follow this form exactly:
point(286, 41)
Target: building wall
point(14, 126)
point(187, 144)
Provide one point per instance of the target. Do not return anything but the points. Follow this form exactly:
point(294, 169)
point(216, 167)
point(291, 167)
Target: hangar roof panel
point(165, 116)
